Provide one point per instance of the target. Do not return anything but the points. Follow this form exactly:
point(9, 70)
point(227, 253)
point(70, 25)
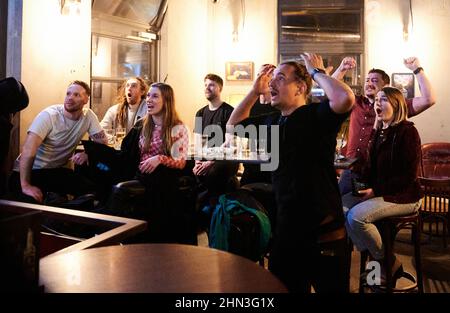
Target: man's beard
point(72, 109)
point(211, 97)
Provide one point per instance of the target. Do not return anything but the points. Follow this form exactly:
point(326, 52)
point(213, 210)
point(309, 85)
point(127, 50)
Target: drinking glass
point(244, 143)
point(120, 134)
point(340, 143)
point(110, 137)
point(262, 146)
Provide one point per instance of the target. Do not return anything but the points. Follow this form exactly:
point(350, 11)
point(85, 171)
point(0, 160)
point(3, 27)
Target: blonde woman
point(391, 175)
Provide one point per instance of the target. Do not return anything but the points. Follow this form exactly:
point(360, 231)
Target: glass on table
point(119, 134)
point(262, 146)
point(340, 144)
point(110, 137)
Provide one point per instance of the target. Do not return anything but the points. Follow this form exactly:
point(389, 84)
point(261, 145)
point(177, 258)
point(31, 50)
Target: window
point(331, 28)
point(113, 60)
point(321, 25)
point(124, 44)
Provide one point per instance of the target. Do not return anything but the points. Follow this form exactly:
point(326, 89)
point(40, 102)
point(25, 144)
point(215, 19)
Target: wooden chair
point(435, 206)
point(389, 228)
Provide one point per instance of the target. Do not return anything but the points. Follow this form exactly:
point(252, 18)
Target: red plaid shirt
point(179, 150)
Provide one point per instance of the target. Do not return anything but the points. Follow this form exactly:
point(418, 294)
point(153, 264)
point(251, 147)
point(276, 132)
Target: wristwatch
point(315, 71)
point(417, 70)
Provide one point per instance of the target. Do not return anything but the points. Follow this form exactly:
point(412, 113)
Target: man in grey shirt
point(48, 155)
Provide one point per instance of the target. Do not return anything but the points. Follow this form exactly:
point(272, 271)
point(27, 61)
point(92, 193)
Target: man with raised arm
point(363, 115)
point(309, 246)
point(44, 164)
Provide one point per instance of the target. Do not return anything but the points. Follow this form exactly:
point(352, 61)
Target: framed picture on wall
point(239, 71)
point(404, 82)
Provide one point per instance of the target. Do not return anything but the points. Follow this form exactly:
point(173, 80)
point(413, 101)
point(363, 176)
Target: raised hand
point(347, 64)
point(261, 84)
point(312, 61)
point(411, 63)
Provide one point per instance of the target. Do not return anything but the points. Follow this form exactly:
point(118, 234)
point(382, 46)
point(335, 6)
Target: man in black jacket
point(13, 98)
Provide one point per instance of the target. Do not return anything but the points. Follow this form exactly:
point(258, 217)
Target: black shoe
point(55, 199)
point(84, 202)
point(397, 273)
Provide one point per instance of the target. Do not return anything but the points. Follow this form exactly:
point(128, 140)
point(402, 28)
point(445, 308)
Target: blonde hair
point(170, 119)
point(122, 109)
point(398, 103)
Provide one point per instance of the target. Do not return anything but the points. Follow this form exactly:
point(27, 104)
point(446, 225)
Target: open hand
point(366, 194)
point(33, 192)
point(149, 165)
point(202, 168)
point(312, 61)
point(261, 84)
point(80, 158)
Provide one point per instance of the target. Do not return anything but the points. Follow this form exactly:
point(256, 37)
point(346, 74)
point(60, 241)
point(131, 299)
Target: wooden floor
point(435, 262)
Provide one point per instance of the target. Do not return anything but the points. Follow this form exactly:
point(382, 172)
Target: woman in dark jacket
point(391, 174)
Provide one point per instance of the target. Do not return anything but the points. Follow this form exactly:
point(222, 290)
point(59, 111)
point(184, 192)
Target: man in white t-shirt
point(47, 155)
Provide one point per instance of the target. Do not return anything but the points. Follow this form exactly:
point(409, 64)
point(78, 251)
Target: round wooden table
point(155, 268)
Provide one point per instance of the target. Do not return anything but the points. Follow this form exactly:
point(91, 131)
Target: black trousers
point(59, 180)
point(326, 266)
point(169, 211)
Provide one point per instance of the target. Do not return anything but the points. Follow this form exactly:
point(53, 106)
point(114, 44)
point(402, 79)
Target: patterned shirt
point(179, 150)
point(362, 119)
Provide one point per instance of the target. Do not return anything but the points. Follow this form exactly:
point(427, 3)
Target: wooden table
point(245, 158)
point(155, 268)
point(114, 229)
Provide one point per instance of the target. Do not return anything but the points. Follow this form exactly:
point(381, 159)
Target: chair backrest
point(436, 160)
point(436, 195)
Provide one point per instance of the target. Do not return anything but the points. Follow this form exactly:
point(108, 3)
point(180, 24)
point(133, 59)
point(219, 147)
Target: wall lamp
point(70, 7)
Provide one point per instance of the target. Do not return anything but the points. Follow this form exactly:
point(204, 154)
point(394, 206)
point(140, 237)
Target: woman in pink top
point(154, 152)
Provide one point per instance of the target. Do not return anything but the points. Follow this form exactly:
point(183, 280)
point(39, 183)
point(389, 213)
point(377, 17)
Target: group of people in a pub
point(317, 211)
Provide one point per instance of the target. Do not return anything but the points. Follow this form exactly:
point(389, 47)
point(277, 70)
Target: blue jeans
point(360, 219)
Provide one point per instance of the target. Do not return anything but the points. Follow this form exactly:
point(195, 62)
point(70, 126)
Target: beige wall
point(201, 41)
point(55, 51)
point(429, 40)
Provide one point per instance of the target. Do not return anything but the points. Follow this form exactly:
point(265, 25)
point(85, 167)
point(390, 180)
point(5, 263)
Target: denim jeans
point(360, 219)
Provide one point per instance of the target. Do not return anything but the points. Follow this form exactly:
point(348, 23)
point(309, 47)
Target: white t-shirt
point(60, 135)
point(134, 114)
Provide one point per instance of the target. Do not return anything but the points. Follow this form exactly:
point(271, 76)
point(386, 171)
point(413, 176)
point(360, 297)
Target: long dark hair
point(170, 119)
point(121, 99)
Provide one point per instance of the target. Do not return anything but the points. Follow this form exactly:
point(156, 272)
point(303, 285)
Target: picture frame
point(405, 83)
point(239, 71)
